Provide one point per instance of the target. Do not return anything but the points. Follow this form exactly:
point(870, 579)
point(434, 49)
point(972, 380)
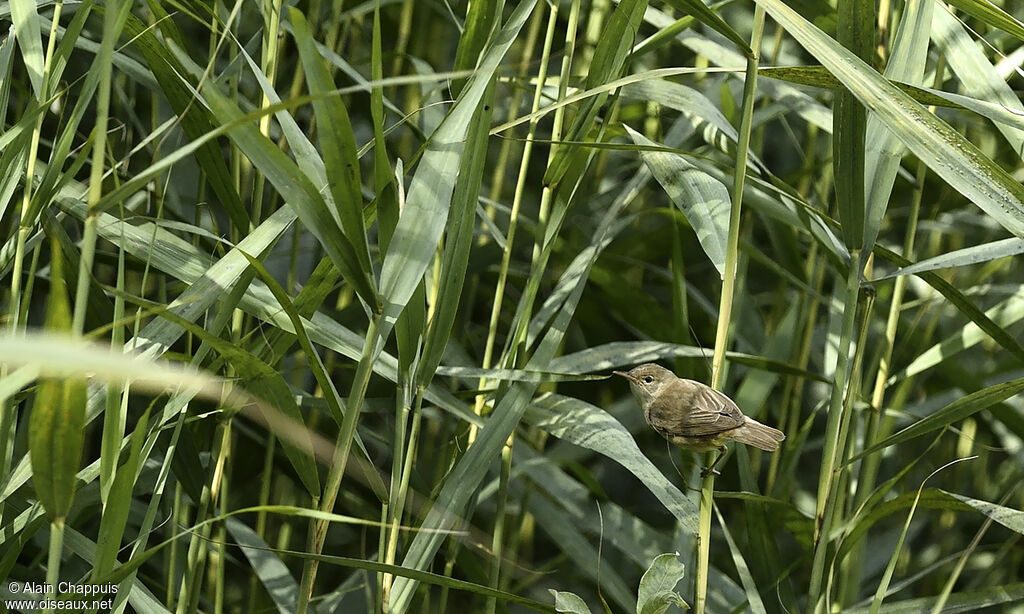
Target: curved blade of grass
point(965, 306)
point(585, 556)
point(1008, 517)
point(459, 236)
point(883, 584)
point(978, 78)
point(623, 353)
point(667, 34)
point(702, 198)
point(952, 157)
point(516, 375)
point(962, 257)
point(952, 413)
point(989, 13)
point(58, 356)
point(1004, 314)
point(794, 99)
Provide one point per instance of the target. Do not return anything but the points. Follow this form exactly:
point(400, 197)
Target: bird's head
point(646, 380)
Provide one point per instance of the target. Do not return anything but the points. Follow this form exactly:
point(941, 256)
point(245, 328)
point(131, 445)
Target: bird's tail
point(755, 434)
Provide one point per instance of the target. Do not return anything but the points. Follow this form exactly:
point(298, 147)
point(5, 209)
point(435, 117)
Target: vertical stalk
point(725, 304)
point(834, 445)
point(498, 539)
point(9, 410)
point(878, 428)
point(113, 20)
point(399, 495)
point(499, 290)
point(342, 448)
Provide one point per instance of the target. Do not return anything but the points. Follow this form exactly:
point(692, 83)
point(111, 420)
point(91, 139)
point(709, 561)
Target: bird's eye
point(648, 379)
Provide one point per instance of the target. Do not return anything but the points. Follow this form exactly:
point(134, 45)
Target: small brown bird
point(693, 415)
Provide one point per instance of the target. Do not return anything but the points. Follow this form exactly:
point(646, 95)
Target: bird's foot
point(705, 472)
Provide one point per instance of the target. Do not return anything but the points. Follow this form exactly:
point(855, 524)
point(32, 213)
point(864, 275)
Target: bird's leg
point(721, 454)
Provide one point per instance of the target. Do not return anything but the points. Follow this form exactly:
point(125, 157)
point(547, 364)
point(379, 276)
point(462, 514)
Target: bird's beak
point(623, 374)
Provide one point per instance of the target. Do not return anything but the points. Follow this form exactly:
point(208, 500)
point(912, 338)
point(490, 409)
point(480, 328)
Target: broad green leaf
point(754, 602)
point(410, 251)
point(819, 76)
point(587, 426)
point(658, 585)
point(793, 99)
point(964, 601)
point(569, 602)
point(617, 354)
point(689, 101)
point(459, 238)
point(855, 29)
point(515, 375)
point(56, 425)
point(337, 142)
point(702, 198)
point(946, 152)
point(27, 32)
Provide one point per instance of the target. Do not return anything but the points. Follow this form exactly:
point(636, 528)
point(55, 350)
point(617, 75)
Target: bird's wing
point(705, 411)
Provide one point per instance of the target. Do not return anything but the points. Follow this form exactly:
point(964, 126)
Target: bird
point(693, 415)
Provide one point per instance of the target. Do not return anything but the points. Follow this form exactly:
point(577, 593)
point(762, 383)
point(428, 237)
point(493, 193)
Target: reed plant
point(311, 306)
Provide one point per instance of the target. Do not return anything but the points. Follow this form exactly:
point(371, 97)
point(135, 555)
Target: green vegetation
point(311, 306)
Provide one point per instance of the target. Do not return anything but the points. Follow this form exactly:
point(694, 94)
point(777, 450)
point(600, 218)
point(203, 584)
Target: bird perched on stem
point(693, 415)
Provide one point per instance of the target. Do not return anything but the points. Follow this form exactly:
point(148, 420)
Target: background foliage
point(310, 306)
